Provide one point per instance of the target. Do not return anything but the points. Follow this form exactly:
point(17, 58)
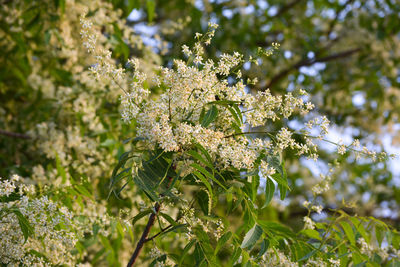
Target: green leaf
point(205, 153)
point(83, 190)
point(252, 236)
point(275, 163)
point(108, 143)
point(198, 254)
point(207, 174)
point(282, 191)
point(276, 229)
point(197, 156)
point(379, 233)
point(309, 255)
point(278, 178)
point(60, 169)
point(186, 250)
point(210, 116)
point(151, 6)
point(349, 232)
point(269, 192)
point(204, 181)
point(140, 215)
point(235, 256)
point(222, 241)
point(311, 233)
point(236, 113)
point(264, 247)
point(168, 218)
point(26, 228)
point(205, 201)
point(174, 228)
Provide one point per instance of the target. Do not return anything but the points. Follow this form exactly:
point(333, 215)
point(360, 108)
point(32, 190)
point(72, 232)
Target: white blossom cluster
point(52, 229)
point(173, 120)
point(275, 257)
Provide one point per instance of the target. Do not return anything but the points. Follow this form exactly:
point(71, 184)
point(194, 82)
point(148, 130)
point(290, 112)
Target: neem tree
point(193, 140)
point(203, 157)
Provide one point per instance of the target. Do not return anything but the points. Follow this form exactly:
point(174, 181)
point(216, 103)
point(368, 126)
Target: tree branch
point(309, 62)
point(159, 233)
point(286, 7)
point(14, 135)
point(335, 19)
point(143, 238)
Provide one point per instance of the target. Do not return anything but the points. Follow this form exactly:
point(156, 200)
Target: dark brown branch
point(335, 19)
point(143, 238)
point(309, 62)
point(14, 135)
point(286, 7)
point(150, 223)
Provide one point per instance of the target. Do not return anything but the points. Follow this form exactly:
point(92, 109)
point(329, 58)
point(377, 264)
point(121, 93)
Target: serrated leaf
point(278, 178)
point(269, 192)
point(282, 191)
point(197, 156)
point(309, 255)
point(108, 143)
point(276, 229)
point(174, 228)
point(205, 153)
point(251, 237)
point(311, 233)
point(264, 247)
point(168, 218)
point(204, 181)
point(186, 250)
point(207, 174)
point(235, 256)
point(205, 201)
point(222, 241)
point(210, 116)
point(26, 228)
point(348, 232)
point(140, 215)
point(60, 169)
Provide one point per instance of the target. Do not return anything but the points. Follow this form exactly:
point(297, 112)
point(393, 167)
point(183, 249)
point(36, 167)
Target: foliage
point(205, 149)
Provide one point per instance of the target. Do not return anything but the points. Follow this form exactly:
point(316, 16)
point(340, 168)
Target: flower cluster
point(198, 107)
point(33, 231)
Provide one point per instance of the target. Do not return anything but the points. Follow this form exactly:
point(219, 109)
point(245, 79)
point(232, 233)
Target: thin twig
point(14, 135)
point(159, 233)
point(309, 62)
point(286, 7)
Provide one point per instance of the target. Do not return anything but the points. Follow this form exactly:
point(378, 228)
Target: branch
point(14, 135)
point(143, 238)
point(309, 62)
point(159, 233)
point(286, 7)
point(335, 19)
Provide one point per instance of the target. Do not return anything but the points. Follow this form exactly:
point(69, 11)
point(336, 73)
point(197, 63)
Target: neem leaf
point(210, 116)
point(252, 236)
point(26, 227)
point(269, 192)
point(222, 241)
point(349, 232)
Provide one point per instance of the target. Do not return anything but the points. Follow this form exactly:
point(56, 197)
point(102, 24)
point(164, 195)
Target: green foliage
point(115, 176)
